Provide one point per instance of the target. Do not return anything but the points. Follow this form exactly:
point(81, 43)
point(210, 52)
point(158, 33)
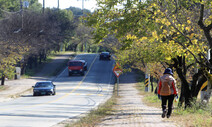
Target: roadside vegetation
point(152, 35)
point(3, 88)
point(95, 116)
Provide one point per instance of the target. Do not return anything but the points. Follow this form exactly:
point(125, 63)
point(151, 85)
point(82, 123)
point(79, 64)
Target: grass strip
point(3, 87)
point(196, 116)
point(57, 70)
point(95, 116)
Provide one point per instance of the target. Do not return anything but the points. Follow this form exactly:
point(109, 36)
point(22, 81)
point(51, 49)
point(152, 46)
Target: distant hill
point(78, 11)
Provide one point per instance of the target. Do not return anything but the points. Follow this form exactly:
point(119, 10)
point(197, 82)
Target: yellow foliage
point(154, 34)
point(191, 36)
point(188, 28)
point(129, 37)
point(143, 38)
point(168, 58)
point(154, 5)
point(188, 21)
point(195, 41)
point(168, 23)
point(165, 31)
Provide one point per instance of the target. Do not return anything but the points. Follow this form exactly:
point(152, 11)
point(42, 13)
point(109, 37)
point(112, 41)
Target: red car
point(77, 67)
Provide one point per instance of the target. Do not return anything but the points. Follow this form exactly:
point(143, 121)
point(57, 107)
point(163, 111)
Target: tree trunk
point(36, 60)
point(40, 58)
point(151, 81)
point(179, 64)
point(30, 62)
point(23, 68)
point(2, 79)
point(182, 96)
point(82, 48)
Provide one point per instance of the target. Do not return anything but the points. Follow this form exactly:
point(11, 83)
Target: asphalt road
point(75, 95)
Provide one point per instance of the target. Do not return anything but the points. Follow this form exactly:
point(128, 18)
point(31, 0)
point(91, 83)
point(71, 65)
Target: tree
point(34, 35)
point(77, 11)
point(160, 31)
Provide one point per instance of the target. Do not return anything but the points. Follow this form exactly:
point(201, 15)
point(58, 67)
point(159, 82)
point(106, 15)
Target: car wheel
point(34, 94)
point(83, 73)
point(54, 93)
point(69, 74)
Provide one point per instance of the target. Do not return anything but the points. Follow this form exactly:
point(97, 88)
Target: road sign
point(26, 4)
point(146, 82)
point(204, 86)
point(117, 70)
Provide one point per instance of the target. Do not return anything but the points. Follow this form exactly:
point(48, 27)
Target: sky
point(88, 4)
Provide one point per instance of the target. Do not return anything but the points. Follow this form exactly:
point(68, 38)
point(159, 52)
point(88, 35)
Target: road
point(75, 95)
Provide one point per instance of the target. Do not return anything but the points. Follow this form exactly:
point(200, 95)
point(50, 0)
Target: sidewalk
point(130, 111)
point(17, 88)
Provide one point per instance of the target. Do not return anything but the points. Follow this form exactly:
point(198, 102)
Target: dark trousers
point(170, 100)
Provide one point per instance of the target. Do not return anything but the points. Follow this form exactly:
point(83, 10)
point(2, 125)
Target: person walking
point(167, 90)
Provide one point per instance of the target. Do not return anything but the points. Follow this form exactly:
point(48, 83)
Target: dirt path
point(130, 111)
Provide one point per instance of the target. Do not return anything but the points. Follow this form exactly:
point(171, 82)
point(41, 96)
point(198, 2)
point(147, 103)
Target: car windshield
point(75, 63)
point(105, 53)
point(43, 84)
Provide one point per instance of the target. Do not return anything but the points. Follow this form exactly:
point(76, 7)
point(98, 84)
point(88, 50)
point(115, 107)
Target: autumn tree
point(163, 31)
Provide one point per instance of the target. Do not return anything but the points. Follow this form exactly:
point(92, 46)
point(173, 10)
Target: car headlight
point(51, 90)
point(80, 69)
point(35, 90)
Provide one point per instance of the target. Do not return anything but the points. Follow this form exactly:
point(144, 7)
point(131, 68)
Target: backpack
point(165, 89)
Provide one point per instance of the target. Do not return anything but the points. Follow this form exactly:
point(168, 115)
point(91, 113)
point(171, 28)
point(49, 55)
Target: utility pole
point(82, 21)
point(58, 4)
point(82, 6)
point(43, 6)
point(21, 8)
point(21, 5)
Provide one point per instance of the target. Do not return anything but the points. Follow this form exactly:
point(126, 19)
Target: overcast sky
point(88, 4)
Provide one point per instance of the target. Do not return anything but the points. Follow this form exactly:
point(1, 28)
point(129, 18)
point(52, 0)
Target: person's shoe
point(168, 116)
point(163, 114)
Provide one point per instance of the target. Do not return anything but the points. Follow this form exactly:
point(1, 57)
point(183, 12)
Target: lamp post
point(43, 6)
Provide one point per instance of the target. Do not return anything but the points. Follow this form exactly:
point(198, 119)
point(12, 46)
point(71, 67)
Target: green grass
point(95, 116)
point(32, 72)
point(150, 98)
point(197, 116)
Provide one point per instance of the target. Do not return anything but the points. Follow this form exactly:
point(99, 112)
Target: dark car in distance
point(44, 88)
point(77, 67)
point(104, 56)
